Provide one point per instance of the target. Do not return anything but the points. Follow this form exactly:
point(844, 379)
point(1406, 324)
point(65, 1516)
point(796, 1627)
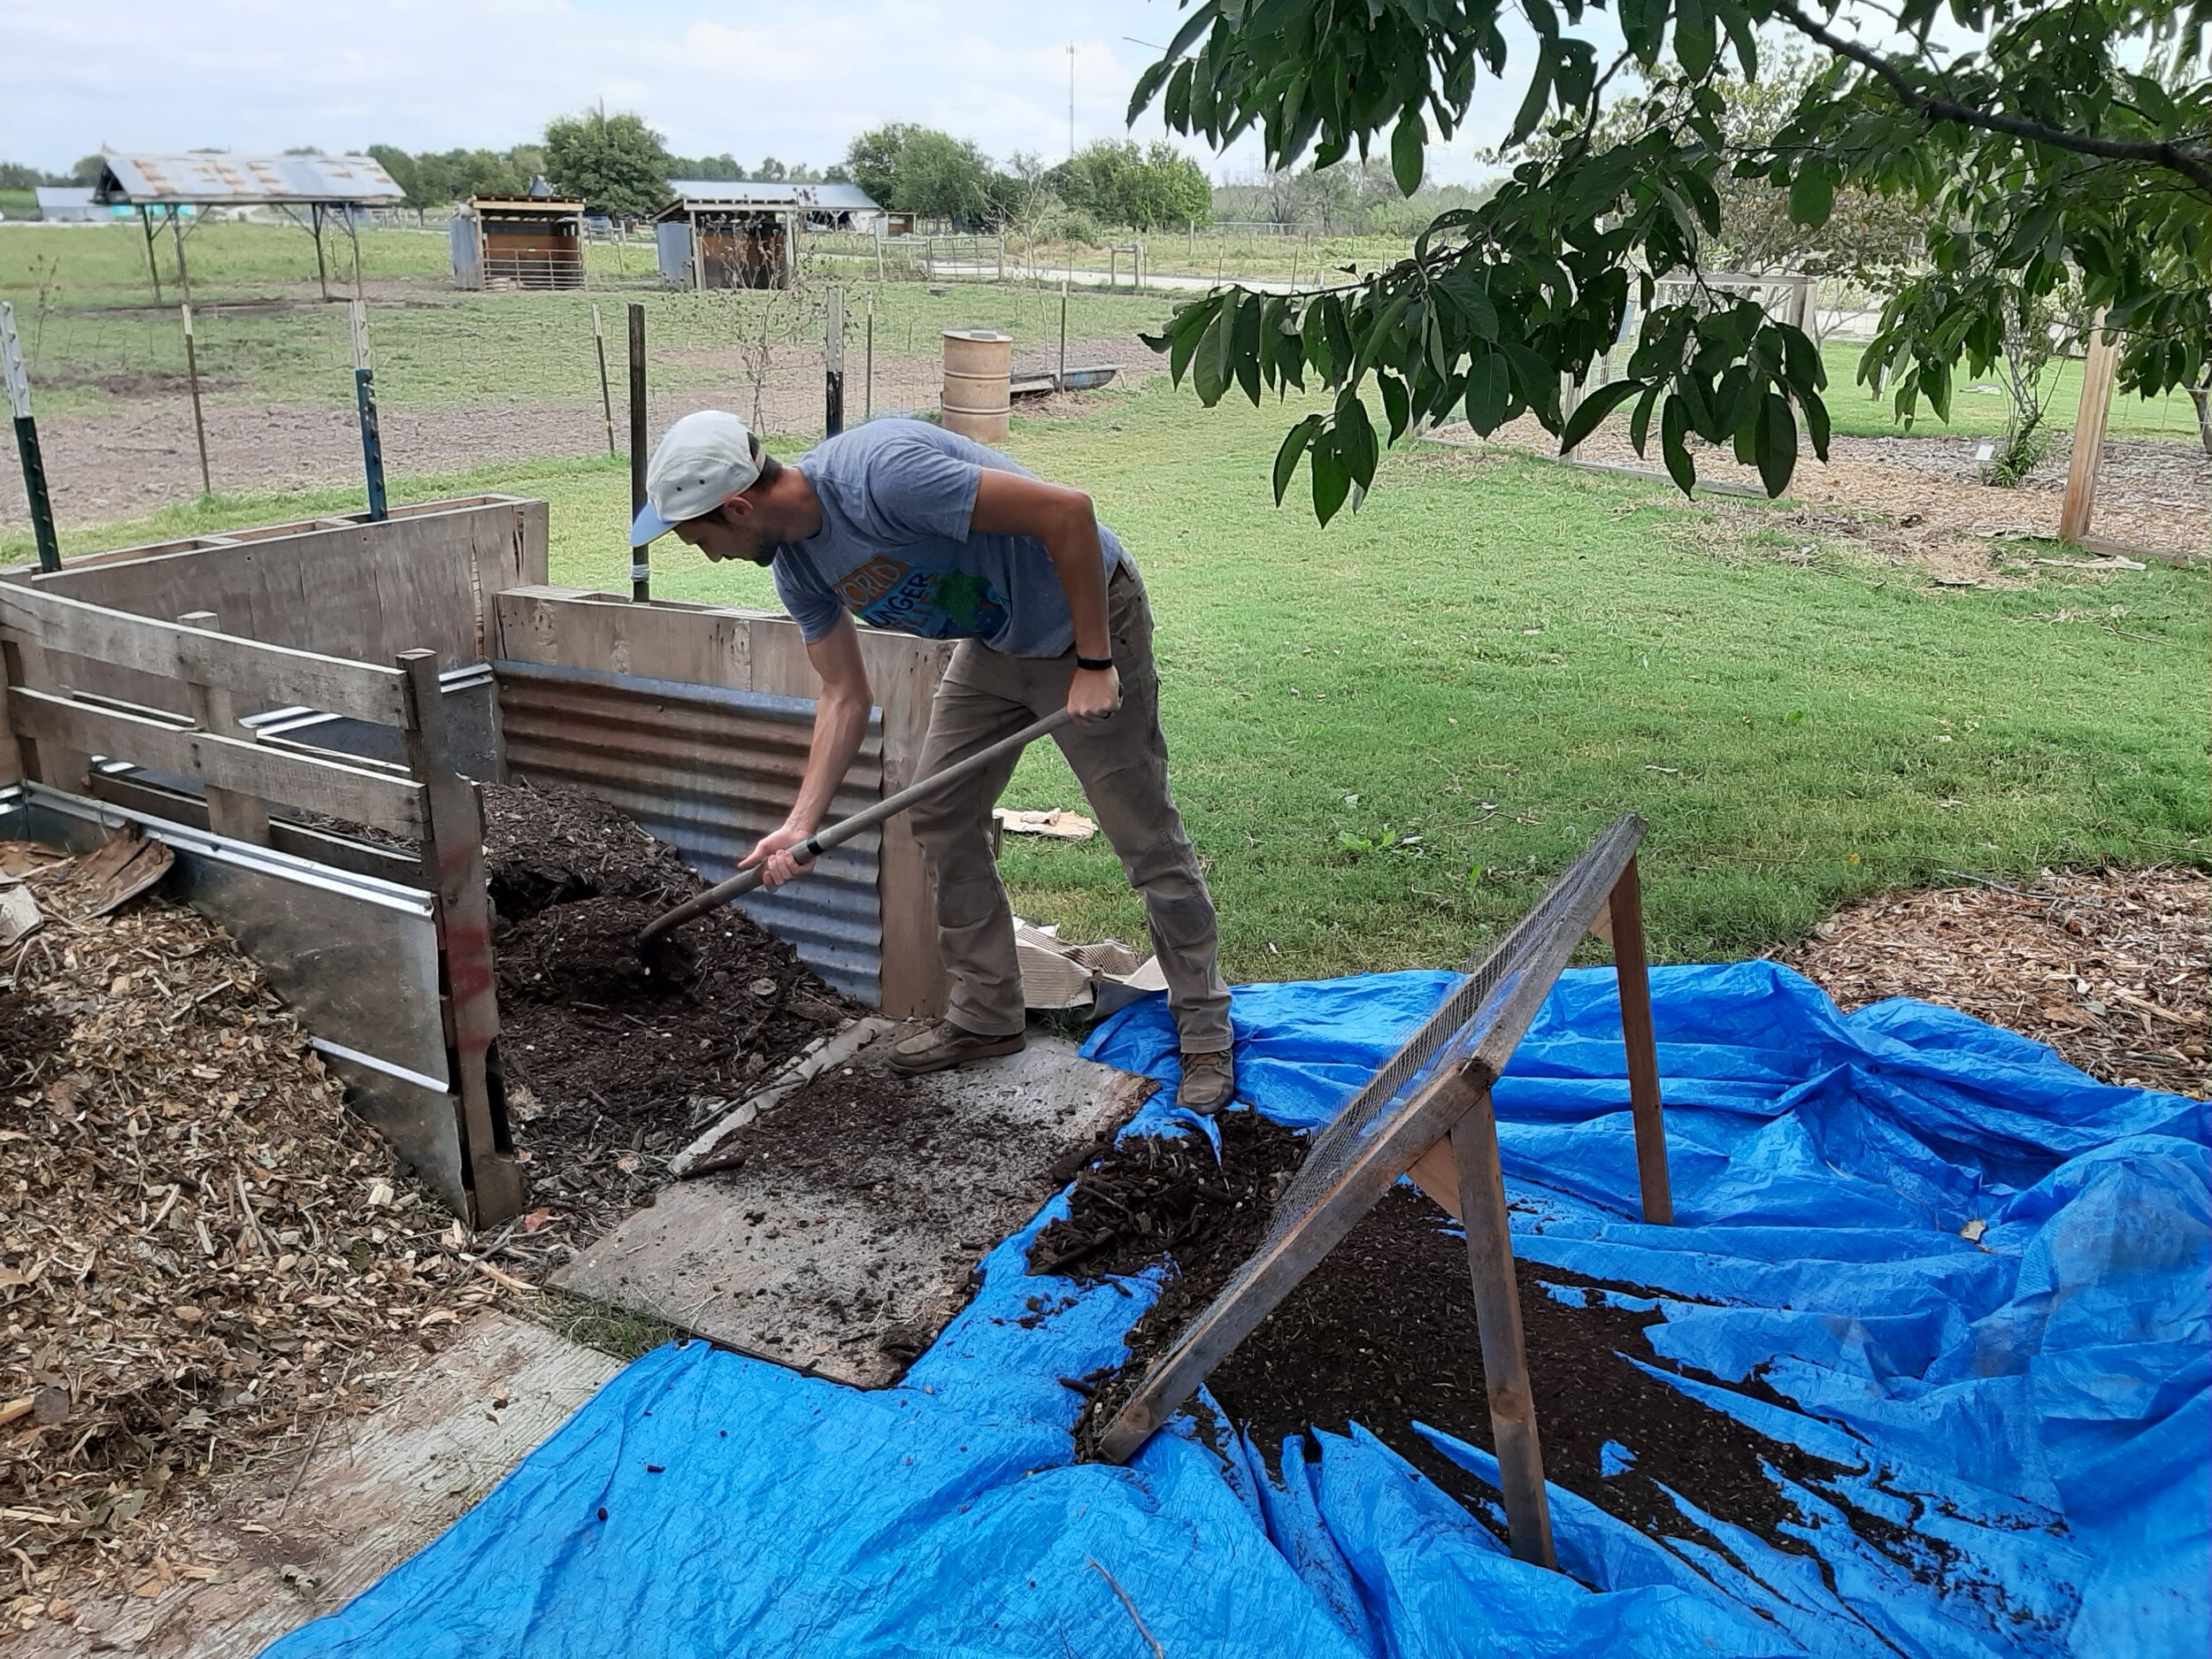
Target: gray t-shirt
point(896, 550)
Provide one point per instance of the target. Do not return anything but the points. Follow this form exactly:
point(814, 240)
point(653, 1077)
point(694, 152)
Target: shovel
point(656, 934)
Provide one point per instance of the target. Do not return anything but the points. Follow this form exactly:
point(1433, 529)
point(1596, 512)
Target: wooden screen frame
point(1446, 1138)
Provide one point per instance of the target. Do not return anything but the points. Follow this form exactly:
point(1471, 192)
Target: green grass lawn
point(1387, 735)
point(1857, 411)
point(92, 338)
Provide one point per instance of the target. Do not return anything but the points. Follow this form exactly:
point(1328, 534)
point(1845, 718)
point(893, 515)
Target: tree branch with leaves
point(2034, 153)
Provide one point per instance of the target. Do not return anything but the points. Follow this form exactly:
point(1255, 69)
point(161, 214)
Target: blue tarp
point(2035, 1399)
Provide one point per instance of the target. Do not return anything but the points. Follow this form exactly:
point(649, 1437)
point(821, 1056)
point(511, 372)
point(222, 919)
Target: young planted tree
point(2054, 139)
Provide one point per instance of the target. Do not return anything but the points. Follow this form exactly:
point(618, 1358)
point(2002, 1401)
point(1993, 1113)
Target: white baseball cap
point(700, 462)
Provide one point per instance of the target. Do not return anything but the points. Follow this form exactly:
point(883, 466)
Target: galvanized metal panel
point(468, 262)
point(671, 240)
point(356, 958)
point(216, 178)
point(710, 771)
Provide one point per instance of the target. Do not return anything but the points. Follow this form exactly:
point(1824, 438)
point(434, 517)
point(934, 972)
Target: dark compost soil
point(31, 1028)
point(609, 1068)
point(1383, 1333)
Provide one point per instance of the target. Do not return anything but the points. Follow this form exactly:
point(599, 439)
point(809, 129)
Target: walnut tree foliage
point(2045, 144)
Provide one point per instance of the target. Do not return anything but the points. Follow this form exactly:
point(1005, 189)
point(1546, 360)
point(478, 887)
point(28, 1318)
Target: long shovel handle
point(745, 881)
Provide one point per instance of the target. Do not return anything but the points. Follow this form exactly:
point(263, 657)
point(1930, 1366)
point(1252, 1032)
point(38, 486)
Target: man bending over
point(909, 526)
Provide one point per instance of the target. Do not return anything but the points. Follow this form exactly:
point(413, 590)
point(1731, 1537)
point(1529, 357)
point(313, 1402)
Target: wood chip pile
point(200, 1257)
point(2108, 968)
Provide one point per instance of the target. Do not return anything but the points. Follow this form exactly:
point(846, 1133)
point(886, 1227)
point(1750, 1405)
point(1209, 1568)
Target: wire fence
point(470, 382)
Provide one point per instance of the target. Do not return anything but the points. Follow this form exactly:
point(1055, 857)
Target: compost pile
point(201, 1256)
point(2107, 967)
point(1383, 1333)
point(611, 1068)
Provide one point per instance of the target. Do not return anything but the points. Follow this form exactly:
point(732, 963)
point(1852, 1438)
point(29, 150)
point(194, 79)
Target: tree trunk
point(2201, 396)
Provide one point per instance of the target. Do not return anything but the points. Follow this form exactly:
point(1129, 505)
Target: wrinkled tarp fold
point(2035, 1403)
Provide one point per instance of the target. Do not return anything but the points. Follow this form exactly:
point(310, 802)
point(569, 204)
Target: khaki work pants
point(1121, 765)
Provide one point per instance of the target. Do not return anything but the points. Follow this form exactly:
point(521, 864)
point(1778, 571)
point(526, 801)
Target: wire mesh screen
point(1380, 1132)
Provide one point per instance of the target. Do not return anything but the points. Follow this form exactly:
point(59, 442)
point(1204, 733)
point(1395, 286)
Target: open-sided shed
point(743, 232)
point(179, 188)
point(524, 242)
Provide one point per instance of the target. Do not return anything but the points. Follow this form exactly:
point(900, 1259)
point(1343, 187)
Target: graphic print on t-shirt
point(933, 603)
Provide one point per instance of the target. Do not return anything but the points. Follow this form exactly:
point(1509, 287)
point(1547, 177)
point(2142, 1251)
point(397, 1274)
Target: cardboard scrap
point(1057, 974)
point(20, 915)
point(119, 871)
point(1057, 823)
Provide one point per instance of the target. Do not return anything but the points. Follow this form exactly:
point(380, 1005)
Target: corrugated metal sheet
point(222, 179)
point(742, 193)
point(710, 771)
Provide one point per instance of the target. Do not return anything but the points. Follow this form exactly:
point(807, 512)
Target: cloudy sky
point(794, 81)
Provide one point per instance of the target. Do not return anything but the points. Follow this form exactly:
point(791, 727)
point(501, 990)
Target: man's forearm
point(1081, 563)
point(841, 724)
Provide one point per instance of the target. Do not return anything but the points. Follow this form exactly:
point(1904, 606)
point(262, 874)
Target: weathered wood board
point(837, 1285)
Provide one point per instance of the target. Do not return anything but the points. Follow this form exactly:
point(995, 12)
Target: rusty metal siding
point(710, 771)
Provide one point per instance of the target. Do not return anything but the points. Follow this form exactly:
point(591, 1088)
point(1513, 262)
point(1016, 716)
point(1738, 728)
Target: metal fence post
point(365, 404)
point(192, 373)
point(606, 394)
point(833, 365)
point(641, 563)
point(26, 441)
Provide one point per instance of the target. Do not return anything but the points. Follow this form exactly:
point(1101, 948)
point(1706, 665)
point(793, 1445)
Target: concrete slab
point(376, 1490)
point(852, 1286)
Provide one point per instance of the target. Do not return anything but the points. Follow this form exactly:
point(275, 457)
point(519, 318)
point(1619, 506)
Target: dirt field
point(106, 467)
point(1937, 512)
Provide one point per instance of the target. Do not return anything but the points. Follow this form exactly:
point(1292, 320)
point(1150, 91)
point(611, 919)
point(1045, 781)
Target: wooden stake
point(1625, 909)
point(2080, 504)
point(1474, 1141)
point(244, 817)
point(365, 404)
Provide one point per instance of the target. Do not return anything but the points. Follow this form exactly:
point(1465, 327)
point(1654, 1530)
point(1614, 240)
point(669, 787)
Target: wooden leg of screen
point(1474, 1139)
point(1626, 911)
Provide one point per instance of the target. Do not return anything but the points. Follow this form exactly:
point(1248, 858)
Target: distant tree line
point(1353, 197)
point(922, 171)
point(15, 176)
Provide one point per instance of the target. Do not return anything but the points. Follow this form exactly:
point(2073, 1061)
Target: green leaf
point(1591, 411)
point(1812, 197)
point(1244, 346)
point(1674, 430)
point(1644, 24)
point(1395, 404)
point(1356, 433)
point(1539, 98)
point(1489, 385)
point(1286, 458)
point(1407, 150)
point(1458, 286)
point(1210, 366)
point(1332, 478)
point(1639, 423)
point(1148, 84)
point(1778, 443)
point(1815, 421)
point(1188, 330)
point(1693, 41)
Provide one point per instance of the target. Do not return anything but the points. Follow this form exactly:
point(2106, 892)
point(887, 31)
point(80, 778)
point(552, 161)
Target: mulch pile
point(2107, 967)
point(1383, 1333)
point(611, 1068)
point(201, 1256)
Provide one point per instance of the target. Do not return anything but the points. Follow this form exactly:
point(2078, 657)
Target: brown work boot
point(1209, 1082)
point(945, 1045)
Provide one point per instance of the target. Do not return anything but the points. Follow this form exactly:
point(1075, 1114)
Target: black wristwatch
point(1093, 663)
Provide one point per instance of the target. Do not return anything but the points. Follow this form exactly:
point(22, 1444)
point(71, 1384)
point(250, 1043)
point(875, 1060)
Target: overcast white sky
point(794, 81)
